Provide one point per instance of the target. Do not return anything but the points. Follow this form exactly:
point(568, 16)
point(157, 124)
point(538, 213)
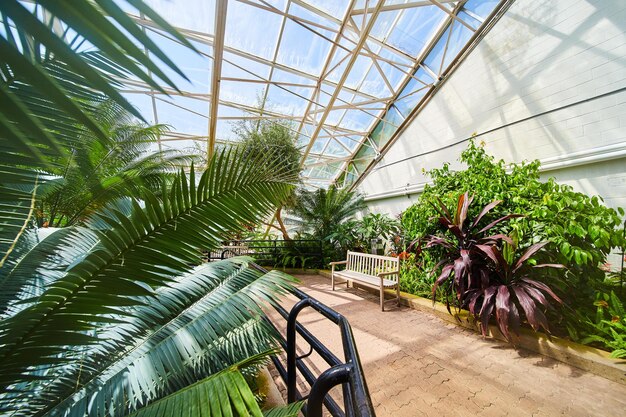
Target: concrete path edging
point(584, 357)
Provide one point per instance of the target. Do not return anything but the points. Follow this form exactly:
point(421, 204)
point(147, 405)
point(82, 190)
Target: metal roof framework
point(344, 74)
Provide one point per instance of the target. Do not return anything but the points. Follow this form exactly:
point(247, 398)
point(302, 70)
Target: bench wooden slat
point(364, 268)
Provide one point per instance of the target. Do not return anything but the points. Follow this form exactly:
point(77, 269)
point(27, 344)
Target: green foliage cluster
point(356, 235)
point(113, 315)
point(581, 232)
point(97, 172)
point(608, 327)
point(273, 139)
point(270, 137)
point(321, 211)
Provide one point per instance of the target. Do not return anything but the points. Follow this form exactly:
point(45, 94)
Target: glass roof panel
point(311, 57)
point(481, 8)
point(273, 55)
point(186, 115)
point(283, 100)
point(237, 66)
point(261, 29)
point(415, 28)
point(336, 8)
point(201, 20)
point(250, 95)
point(197, 67)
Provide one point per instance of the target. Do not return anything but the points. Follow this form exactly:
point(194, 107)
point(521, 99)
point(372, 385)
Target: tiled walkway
point(419, 365)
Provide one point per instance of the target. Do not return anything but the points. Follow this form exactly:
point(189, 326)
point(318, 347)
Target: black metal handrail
point(348, 373)
point(273, 252)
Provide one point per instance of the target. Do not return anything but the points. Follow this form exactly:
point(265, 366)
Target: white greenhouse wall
point(548, 81)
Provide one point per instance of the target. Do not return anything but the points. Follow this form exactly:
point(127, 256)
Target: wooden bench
point(371, 270)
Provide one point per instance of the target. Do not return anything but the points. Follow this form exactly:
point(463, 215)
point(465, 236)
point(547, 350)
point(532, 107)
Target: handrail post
point(328, 379)
point(291, 348)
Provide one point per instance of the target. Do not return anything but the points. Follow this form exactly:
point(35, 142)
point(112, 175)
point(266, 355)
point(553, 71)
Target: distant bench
point(371, 270)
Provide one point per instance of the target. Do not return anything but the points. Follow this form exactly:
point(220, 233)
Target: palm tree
point(321, 211)
point(98, 172)
point(123, 322)
point(50, 81)
point(115, 317)
point(272, 137)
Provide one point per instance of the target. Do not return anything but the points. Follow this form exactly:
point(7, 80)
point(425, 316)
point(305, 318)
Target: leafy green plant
point(608, 328)
point(321, 211)
point(377, 226)
point(417, 276)
point(581, 232)
point(49, 84)
point(346, 237)
point(97, 172)
point(120, 294)
point(272, 137)
point(476, 274)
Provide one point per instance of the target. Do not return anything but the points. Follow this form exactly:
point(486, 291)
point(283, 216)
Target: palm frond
point(16, 209)
point(33, 265)
point(224, 394)
point(291, 410)
point(97, 172)
point(204, 323)
point(137, 254)
point(47, 85)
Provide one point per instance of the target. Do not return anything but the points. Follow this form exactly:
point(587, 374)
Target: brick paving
point(417, 364)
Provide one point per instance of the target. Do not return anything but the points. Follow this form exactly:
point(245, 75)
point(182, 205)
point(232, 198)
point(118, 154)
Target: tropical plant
point(608, 328)
point(113, 317)
point(511, 291)
point(580, 229)
point(477, 275)
point(346, 237)
point(50, 80)
point(462, 264)
point(374, 226)
point(122, 320)
point(417, 276)
point(322, 210)
point(98, 172)
point(277, 138)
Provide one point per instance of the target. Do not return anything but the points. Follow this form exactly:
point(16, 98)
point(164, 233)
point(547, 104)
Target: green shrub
point(579, 229)
point(608, 327)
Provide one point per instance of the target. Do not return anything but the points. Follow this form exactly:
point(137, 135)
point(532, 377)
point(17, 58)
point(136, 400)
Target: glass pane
point(302, 49)
point(481, 8)
point(415, 28)
point(251, 29)
point(183, 114)
point(202, 19)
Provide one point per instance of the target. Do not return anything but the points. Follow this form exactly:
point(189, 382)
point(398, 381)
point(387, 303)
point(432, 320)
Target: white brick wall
point(540, 56)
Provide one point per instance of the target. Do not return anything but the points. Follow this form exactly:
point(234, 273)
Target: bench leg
point(332, 279)
point(382, 297)
point(398, 294)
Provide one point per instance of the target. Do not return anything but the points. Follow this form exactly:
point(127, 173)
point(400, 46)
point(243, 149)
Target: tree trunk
point(283, 229)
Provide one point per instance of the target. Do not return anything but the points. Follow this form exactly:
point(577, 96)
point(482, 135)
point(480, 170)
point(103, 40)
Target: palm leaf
point(16, 208)
point(203, 323)
point(45, 83)
point(166, 233)
point(225, 394)
point(291, 410)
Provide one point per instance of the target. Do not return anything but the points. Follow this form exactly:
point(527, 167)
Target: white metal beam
point(353, 58)
point(221, 7)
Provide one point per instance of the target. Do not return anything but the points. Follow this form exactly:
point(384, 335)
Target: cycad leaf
point(291, 410)
point(229, 387)
point(233, 195)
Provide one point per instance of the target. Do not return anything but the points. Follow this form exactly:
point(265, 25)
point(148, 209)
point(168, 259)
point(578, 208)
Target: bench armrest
point(339, 262)
point(384, 274)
